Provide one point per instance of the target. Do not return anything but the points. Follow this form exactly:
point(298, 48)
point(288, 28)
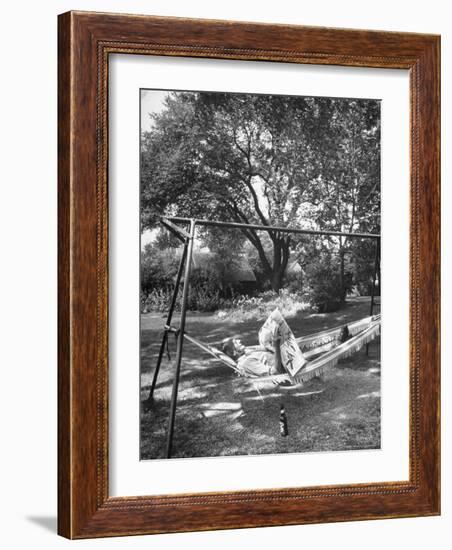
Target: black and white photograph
point(260, 284)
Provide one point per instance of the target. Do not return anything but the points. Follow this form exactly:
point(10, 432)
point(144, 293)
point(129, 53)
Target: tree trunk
point(277, 279)
point(301, 276)
point(342, 275)
point(281, 253)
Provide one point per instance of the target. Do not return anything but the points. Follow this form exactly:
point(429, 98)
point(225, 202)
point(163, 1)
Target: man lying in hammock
point(254, 361)
point(277, 352)
point(279, 355)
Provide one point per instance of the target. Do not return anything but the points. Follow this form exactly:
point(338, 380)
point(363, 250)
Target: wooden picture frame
point(85, 42)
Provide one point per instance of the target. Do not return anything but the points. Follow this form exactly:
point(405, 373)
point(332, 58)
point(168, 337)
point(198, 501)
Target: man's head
point(232, 347)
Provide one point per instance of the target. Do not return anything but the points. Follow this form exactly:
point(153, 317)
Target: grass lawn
point(221, 414)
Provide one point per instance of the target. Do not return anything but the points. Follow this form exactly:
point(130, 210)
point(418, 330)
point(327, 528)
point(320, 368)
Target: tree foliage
point(269, 160)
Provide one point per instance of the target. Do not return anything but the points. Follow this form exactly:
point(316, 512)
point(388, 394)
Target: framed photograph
point(248, 275)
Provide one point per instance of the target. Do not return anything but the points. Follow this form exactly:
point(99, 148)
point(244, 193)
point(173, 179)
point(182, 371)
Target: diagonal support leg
point(149, 400)
point(180, 340)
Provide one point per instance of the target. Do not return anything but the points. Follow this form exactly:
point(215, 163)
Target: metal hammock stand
point(173, 224)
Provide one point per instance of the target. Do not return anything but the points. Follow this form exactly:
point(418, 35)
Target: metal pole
point(271, 228)
point(168, 323)
point(372, 296)
point(175, 229)
point(180, 340)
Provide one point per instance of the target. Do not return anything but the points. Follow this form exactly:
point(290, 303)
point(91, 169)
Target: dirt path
point(221, 414)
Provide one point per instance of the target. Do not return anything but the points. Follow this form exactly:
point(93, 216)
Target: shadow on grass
point(219, 414)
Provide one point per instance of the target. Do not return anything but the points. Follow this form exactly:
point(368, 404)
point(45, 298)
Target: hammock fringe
point(327, 336)
point(326, 364)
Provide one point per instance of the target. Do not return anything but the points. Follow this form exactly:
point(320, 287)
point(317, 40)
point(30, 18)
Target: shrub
point(323, 279)
point(204, 299)
point(259, 307)
point(159, 300)
point(143, 298)
point(199, 299)
point(158, 268)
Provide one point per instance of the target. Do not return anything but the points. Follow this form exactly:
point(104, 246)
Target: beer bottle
point(283, 430)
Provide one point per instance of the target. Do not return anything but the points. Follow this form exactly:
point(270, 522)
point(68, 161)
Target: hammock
point(362, 331)
point(330, 359)
point(330, 335)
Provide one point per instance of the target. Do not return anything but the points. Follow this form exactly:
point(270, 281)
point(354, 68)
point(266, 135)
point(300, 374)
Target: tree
point(355, 195)
point(158, 268)
point(348, 189)
point(254, 159)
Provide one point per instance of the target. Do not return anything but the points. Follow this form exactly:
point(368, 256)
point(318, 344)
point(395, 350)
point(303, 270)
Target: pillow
point(274, 328)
